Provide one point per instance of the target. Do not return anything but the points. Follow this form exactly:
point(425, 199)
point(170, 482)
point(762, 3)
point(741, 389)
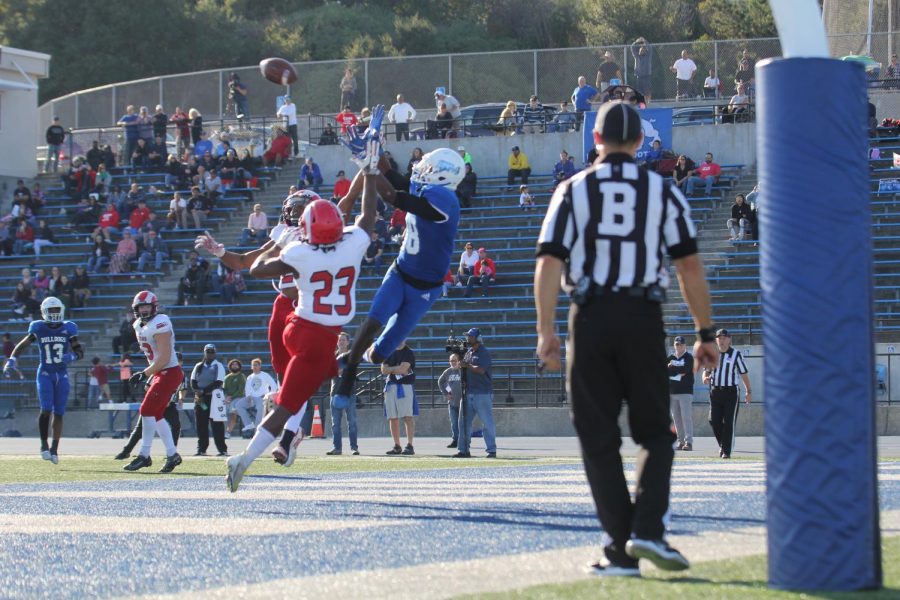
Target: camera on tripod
point(456, 345)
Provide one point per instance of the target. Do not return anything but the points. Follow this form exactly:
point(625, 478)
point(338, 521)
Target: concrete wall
point(731, 144)
point(19, 112)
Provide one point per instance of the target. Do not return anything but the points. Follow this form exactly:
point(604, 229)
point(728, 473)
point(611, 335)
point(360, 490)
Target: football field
point(372, 527)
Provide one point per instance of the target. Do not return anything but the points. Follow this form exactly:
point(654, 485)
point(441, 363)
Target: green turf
point(737, 579)
point(30, 469)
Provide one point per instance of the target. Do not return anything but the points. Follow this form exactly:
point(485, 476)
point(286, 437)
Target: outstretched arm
point(232, 260)
point(269, 265)
point(23, 343)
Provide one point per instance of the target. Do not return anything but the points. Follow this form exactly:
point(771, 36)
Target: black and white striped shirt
point(731, 365)
point(613, 222)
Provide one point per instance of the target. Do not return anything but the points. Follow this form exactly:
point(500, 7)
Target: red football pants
point(312, 361)
point(164, 385)
point(282, 310)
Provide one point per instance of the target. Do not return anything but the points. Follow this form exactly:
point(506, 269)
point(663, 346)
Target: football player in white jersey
point(325, 264)
point(157, 340)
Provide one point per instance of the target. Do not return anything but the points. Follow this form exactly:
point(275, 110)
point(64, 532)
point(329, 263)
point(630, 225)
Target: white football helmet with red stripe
point(145, 306)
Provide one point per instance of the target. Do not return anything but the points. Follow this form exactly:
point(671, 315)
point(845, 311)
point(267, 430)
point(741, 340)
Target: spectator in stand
point(55, 136)
point(399, 396)
point(753, 201)
point(43, 237)
point(174, 174)
point(109, 158)
point(467, 158)
point(248, 163)
point(374, 252)
point(484, 273)
point(41, 284)
point(81, 287)
point(328, 136)
point(654, 155)
point(518, 167)
point(228, 167)
point(745, 75)
point(707, 174)
point(129, 123)
point(741, 218)
point(182, 123)
point(581, 98)
point(564, 119)
point(212, 183)
point(563, 169)
point(365, 117)
point(526, 200)
point(222, 148)
point(155, 249)
point(467, 261)
point(608, 71)
point(22, 194)
point(199, 207)
point(237, 91)
point(24, 238)
point(102, 180)
point(257, 227)
point(206, 162)
point(125, 365)
point(414, 159)
point(6, 239)
point(341, 186)
point(99, 256)
point(55, 275)
point(449, 280)
point(98, 385)
point(346, 119)
point(196, 125)
point(401, 115)
point(440, 97)
point(508, 121)
point(288, 112)
point(160, 122)
point(533, 116)
point(127, 339)
point(193, 284)
point(37, 198)
point(178, 208)
point(643, 63)
point(738, 105)
point(681, 172)
point(24, 302)
point(138, 217)
point(140, 156)
point(80, 179)
point(450, 385)
point(279, 150)
point(202, 146)
point(145, 125)
point(467, 188)
point(94, 156)
point(64, 291)
point(711, 85)
point(126, 250)
point(310, 176)
point(232, 285)
point(443, 121)
point(397, 225)
point(348, 90)
point(684, 69)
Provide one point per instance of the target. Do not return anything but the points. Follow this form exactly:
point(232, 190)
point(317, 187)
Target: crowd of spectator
point(74, 290)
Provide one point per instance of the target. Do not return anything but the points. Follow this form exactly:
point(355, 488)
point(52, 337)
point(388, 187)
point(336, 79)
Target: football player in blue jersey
point(57, 346)
point(414, 281)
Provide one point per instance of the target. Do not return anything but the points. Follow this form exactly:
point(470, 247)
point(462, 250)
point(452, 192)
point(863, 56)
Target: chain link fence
point(472, 78)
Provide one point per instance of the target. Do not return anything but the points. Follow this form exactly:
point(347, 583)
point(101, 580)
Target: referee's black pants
point(723, 411)
point(201, 412)
point(617, 352)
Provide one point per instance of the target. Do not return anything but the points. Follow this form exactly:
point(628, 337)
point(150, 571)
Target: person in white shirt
point(178, 207)
point(401, 115)
point(711, 85)
point(684, 69)
point(213, 184)
point(260, 387)
point(288, 111)
point(467, 261)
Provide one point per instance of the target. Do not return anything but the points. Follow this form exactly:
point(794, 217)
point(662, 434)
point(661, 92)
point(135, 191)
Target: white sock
point(148, 430)
point(293, 423)
point(164, 430)
point(259, 444)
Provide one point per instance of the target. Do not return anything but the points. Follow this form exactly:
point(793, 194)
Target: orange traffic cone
point(317, 430)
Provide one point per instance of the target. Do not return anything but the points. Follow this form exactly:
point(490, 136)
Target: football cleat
point(292, 448)
point(139, 463)
point(45, 454)
point(123, 455)
point(658, 552)
point(279, 455)
point(54, 458)
point(171, 462)
point(236, 469)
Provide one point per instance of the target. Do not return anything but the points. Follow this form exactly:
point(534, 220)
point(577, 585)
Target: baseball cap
point(209, 347)
point(460, 148)
point(722, 333)
point(56, 118)
point(514, 148)
point(679, 339)
point(618, 122)
point(474, 332)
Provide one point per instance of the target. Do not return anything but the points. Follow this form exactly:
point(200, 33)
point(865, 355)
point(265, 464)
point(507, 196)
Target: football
point(278, 70)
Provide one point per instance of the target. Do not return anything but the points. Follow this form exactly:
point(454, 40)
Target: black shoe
point(491, 455)
point(171, 462)
point(725, 455)
point(355, 452)
point(452, 444)
point(222, 454)
point(333, 452)
point(462, 455)
point(409, 450)
point(139, 463)
point(199, 453)
point(688, 447)
point(123, 455)
point(395, 450)
point(658, 552)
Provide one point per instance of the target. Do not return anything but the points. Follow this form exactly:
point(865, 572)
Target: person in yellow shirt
point(518, 167)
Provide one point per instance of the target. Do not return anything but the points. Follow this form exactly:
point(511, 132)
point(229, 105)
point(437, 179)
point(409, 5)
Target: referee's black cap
point(618, 122)
point(722, 333)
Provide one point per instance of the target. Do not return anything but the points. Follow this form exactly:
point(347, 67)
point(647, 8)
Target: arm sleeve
point(739, 362)
point(484, 361)
point(194, 377)
point(247, 387)
point(400, 182)
point(558, 230)
point(442, 381)
point(419, 206)
point(679, 232)
point(271, 384)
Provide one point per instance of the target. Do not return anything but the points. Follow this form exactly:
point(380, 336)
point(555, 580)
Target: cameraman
point(478, 396)
point(237, 92)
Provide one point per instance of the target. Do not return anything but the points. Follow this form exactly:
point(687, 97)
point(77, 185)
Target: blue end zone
point(816, 281)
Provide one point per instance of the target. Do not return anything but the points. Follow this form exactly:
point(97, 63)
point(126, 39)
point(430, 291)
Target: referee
point(607, 230)
point(723, 396)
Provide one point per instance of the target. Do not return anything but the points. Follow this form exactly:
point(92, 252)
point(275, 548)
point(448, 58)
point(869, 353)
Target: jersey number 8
point(411, 238)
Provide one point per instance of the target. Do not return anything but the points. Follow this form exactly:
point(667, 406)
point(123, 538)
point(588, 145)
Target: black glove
point(138, 378)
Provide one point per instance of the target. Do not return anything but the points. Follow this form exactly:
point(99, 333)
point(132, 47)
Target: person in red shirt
point(100, 373)
point(341, 186)
point(706, 174)
point(346, 119)
point(109, 222)
point(280, 149)
point(397, 225)
point(485, 273)
point(138, 217)
point(24, 235)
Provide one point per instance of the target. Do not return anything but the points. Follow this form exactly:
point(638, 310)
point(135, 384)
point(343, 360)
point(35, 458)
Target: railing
point(472, 78)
